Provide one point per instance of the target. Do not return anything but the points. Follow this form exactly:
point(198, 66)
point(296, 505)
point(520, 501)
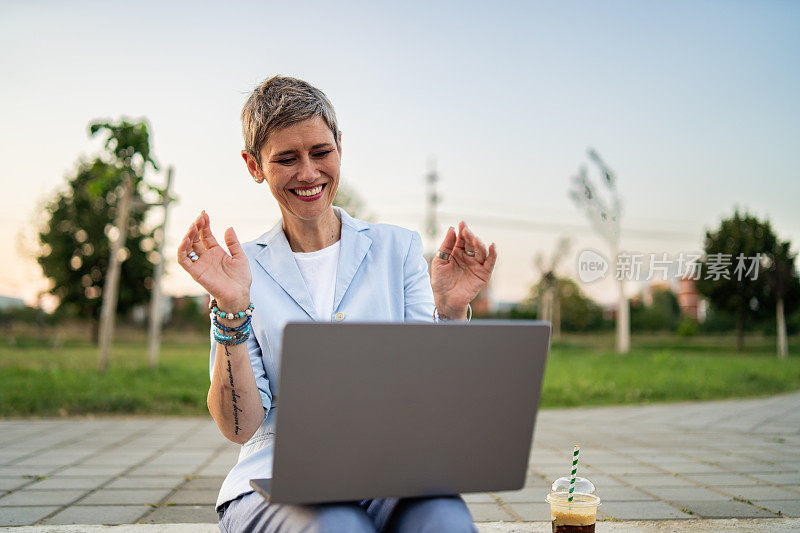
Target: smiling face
point(301, 165)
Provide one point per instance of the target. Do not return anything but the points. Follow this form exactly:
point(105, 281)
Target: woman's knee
point(336, 518)
point(443, 514)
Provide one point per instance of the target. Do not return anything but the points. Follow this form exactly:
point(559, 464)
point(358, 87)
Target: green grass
point(46, 382)
point(581, 370)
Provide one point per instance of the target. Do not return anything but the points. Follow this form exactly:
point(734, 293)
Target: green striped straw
point(575, 453)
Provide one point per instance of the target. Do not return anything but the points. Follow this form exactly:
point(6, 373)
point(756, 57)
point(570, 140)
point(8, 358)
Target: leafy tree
point(75, 241)
point(577, 311)
point(663, 314)
point(745, 298)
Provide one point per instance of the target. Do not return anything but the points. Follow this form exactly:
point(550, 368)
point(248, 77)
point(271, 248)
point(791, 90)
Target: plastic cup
point(576, 516)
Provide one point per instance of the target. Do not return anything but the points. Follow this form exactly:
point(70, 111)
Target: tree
point(549, 301)
point(782, 278)
point(739, 241)
point(76, 239)
point(578, 312)
point(605, 217)
point(663, 313)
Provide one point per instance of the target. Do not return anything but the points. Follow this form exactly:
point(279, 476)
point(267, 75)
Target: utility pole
point(154, 330)
point(111, 285)
point(432, 200)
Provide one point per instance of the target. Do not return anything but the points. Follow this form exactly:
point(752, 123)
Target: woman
point(317, 263)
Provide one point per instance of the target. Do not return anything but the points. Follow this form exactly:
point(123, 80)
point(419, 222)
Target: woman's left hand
point(457, 280)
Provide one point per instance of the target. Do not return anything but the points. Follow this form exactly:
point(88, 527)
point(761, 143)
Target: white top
point(319, 272)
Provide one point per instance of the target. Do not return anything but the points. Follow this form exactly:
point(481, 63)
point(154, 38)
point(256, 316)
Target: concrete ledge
point(747, 525)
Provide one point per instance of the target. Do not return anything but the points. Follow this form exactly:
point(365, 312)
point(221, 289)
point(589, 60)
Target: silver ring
point(192, 256)
point(470, 253)
point(442, 255)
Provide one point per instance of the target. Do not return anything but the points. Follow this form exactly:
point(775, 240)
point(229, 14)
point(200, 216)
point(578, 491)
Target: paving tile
point(784, 507)
point(139, 482)
point(11, 483)
point(488, 512)
point(661, 480)
point(167, 470)
point(9, 456)
point(99, 514)
point(532, 494)
point(761, 492)
point(205, 482)
point(723, 509)
point(478, 497)
point(23, 516)
point(214, 470)
point(194, 497)
point(92, 471)
point(686, 493)
point(624, 469)
point(780, 478)
point(182, 457)
point(714, 480)
point(532, 512)
point(750, 467)
point(118, 458)
point(622, 494)
point(641, 511)
point(41, 497)
point(692, 468)
point(603, 480)
point(59, 482)
point(17, 471)
point(182, 514)
point(125, 497)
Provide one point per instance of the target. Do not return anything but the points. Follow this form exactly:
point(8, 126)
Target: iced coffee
point(576, 516)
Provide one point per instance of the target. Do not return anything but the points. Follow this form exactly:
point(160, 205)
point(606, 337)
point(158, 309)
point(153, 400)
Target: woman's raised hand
point(225, 277)
point(457, 279)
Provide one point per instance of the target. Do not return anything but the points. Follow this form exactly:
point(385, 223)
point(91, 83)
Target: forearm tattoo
point(234, 396)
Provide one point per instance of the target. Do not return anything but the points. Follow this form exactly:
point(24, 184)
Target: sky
point(692, 104)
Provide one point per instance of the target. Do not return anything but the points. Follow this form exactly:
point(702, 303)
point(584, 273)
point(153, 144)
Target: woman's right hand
point(226, 277)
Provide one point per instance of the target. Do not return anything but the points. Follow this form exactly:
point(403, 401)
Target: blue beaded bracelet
point(219, 326)
point(231, 316)
point(229, 340)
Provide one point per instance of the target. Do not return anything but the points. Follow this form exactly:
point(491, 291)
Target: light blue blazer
point(381, 276)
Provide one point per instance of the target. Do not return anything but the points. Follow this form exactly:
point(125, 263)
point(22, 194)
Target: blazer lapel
point(277, 259)
point(352, 251)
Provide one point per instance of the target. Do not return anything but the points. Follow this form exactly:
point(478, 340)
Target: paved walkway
point(731, 459)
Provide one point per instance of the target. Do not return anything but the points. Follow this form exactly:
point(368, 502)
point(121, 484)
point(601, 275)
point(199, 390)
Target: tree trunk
point(154, 331)
point(108, 310)
point(740, 331)
point(783, 344)
point(556, 317)
point(623, 321)
point(95, 332)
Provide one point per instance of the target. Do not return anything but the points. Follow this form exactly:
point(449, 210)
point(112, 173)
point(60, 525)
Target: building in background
point(689, 300)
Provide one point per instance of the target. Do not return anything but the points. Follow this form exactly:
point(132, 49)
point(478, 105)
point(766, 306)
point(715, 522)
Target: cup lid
point(579, 499)
point(581, 485)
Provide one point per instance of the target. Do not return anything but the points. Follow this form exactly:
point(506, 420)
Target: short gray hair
point(279, 102)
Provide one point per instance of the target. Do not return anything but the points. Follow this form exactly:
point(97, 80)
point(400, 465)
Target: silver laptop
point(376, 410)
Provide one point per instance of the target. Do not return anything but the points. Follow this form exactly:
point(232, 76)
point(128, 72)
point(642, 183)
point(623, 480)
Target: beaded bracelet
point(219, 326)
point(230, 316)
point(229, 340)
